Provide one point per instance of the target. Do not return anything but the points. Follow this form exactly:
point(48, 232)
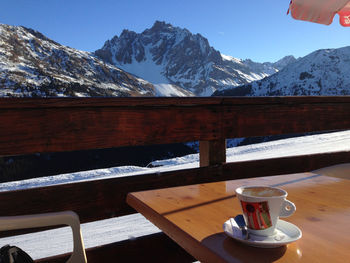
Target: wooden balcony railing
point(62, 124)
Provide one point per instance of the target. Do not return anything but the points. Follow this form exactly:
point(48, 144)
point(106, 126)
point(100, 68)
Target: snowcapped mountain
point(33, 65)
point(323, 72)
point(171, 57)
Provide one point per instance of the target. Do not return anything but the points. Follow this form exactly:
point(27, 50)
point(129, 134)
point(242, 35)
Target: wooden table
point(193, 217)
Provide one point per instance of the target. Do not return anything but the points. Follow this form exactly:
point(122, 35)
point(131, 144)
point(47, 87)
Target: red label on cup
point(257, 215)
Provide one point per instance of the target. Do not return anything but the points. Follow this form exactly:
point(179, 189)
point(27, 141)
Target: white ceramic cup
point(262, 206)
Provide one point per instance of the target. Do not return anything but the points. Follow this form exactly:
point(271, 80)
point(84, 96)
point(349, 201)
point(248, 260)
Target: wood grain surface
point(67, 124)
point(193, 216)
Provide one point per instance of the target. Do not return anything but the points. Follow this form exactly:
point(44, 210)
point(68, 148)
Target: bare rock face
point(31, 65)
point(179, 58)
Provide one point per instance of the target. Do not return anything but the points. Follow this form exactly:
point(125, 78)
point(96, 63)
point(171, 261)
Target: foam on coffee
point(262, 191)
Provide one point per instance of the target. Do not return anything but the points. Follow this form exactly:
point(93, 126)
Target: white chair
point(68, 218)
point(339, 170)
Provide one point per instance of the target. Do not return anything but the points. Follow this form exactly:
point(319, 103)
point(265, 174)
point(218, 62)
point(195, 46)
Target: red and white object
point(321, 11)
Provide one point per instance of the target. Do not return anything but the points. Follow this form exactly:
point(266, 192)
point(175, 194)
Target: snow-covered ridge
point(33, 65)
point(229, 58)
point(323, 72)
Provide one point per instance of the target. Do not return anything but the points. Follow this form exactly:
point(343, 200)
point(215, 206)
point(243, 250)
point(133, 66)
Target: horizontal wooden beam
point(35, 103)
point(106, 197)
point(68, 129)
point(272, 119)
point(61, 124)
point(27, 103)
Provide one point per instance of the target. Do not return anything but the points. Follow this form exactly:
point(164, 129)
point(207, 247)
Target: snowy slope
point(170, 55)
point(58, 241)
point(323, 72)
point(33, 65)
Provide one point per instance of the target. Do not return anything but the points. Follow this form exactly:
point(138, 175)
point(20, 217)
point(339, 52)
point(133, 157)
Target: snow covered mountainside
point(323, 72)
point(161, 61)
point(171, 57)
point(33, 65)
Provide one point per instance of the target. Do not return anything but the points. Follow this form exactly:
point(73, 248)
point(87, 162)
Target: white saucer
point(285, 233)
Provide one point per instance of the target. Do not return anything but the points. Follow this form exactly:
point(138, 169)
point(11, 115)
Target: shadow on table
point(233, 251)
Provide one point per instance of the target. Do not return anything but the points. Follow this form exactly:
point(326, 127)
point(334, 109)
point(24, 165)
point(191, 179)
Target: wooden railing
point(55, 125)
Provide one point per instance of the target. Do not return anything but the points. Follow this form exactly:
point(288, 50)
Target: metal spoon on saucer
point(239, 226)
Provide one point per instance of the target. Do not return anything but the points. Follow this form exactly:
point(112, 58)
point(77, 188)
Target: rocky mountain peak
point(161, 26)
point(127, 34)
point(283, 62)
point(165, 54)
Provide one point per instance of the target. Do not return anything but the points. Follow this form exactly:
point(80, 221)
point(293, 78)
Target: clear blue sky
point(256, 29)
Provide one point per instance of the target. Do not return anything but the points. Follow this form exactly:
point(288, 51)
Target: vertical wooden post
point(212, 152)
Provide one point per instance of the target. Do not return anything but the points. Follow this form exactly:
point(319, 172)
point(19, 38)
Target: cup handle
point(288, 208)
